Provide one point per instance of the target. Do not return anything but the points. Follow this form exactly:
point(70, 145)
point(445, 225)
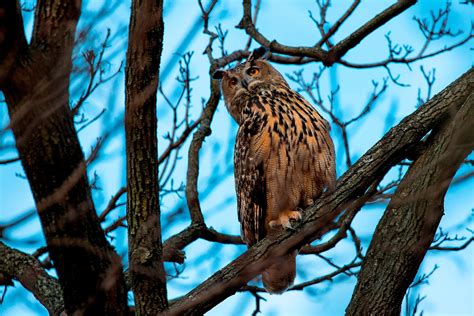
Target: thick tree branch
point(53, 20)
point(29, 272)
point(143, 207)
point(406, 230)
point(389, 151)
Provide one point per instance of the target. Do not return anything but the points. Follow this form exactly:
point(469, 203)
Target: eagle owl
point(283, 158)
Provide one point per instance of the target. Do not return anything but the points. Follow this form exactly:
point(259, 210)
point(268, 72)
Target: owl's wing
point(316, 153)
point(250, 184)
point(325, 149)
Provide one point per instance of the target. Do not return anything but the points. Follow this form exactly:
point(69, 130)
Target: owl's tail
point(281, 274)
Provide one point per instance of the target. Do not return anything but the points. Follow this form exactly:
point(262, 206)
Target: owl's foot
point(285, 218)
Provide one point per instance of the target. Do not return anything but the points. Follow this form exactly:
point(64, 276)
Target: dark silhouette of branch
point(9, 160)
point(438, 244)
point(95, 71)
point(402, 55)
point(423, 279)
point(333, 29)
point(20, 219)
point(116, 224)
point(336, 52)
point(112, 203)
point(461, 247)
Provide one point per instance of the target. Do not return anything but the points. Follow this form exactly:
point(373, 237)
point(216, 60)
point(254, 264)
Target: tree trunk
point(143, 207)
point(36, 92)
point(410, 221)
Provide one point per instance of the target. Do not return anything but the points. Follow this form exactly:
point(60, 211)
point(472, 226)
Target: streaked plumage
point(284, 156)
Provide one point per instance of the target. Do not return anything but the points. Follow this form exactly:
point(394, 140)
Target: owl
point(283, 156)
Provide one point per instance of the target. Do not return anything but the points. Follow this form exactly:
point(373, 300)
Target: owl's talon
point(285, 220)
point(296, 215)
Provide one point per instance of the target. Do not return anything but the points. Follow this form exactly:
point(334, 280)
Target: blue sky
point(450, 291)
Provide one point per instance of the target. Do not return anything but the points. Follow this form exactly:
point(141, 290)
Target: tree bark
point(143, 207)
point(36, 91)
point(397, 144)
point(33, 277)
point(410, 221)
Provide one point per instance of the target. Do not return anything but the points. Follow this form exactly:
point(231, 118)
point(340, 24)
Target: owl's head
point(246, 79)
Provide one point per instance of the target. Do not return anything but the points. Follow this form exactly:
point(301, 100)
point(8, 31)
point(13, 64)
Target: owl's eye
point(233, 82)
point(253, 71)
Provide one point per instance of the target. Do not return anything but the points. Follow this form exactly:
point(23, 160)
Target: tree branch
point(406, 230)
point(339, 50)
point(338, 23)
point(316, 53)
point(29, 272)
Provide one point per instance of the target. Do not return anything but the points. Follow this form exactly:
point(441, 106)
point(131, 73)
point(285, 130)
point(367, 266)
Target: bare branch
point(94, 68)
point(336, 52)
point(338, 23)
point(112, 203)
point(9, 160)
point(20, 219)
point(453, 248)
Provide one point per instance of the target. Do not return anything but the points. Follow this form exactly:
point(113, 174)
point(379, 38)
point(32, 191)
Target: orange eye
point(233, 82)
point(253, 71)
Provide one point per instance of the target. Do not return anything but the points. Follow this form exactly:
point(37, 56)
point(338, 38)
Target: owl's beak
point(244, 84)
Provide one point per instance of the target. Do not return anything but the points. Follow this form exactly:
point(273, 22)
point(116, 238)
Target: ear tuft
point(218, 74)
point(261, 52)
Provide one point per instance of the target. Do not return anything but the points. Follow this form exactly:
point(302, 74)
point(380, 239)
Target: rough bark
point(410, 221)
point(36, 92)
point(143, 212)
point(391, 149)
point(29, 272)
